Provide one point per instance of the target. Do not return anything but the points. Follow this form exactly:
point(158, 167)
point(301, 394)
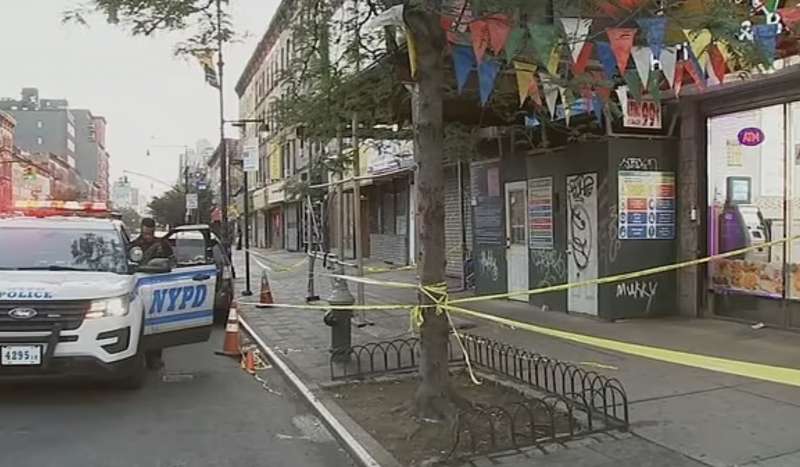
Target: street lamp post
point(262, 129)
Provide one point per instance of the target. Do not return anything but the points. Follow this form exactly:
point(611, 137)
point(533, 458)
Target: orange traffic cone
point(250, 362)
point(231, 346)
point(266, 293)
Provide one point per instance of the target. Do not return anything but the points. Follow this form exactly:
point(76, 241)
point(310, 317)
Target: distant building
point(51, 126)
point(7, 124)
point(31, 178)
point(125, 196)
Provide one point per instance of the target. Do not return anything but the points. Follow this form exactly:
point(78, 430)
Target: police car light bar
point(61, 207)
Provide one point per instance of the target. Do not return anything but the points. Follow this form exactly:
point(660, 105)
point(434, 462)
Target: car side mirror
point(156, 266)
point(135, 254)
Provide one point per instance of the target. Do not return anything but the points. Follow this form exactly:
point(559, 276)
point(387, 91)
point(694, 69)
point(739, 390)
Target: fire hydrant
point(339, 320)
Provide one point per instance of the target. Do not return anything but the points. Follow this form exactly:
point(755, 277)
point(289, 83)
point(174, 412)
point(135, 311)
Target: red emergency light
point(36, 208)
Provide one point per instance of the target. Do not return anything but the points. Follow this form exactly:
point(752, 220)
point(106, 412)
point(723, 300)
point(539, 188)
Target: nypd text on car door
point(178, 306)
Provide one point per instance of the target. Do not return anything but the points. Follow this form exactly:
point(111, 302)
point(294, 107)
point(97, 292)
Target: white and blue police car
point(76, 300)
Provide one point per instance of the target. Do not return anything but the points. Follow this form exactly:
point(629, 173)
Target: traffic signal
point(29, 173)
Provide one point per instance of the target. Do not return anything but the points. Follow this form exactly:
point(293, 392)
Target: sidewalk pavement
point(712, 418)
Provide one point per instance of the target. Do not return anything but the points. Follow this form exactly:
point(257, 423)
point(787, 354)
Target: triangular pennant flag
point(525, 79)
point(717, 63)
point(566, 103)
point(412, 54)
point(622, 96)
point(695, 73)
point(655, 29)
point(543, 39)
point(699, 42)
point(480, 38)
point(766, 35)
point(533, 91)
point(577, 30)
point(606, 57)
point(634, 84)
point(499, 30)
point(550, 94)
point(654, 89)
point(679, 77)
point(514, 43)
point(583, 59)
point(668, 58)
point(790, 16)
point(487, 75)
point(597, 108)
point(603, 92)
point(554, 60)
point(772, 5)
point(643, 59)
point(463, 62)
point(621, 40)
point(725, 50)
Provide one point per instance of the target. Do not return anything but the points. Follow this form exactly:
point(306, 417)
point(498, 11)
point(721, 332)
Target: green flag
point(514, 44)
point(543, 38)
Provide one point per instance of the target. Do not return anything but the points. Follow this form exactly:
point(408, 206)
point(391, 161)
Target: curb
point(325, 411)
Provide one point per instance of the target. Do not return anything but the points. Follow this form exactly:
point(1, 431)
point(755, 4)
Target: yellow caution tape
point(774, 374)
point(281, 267)
point(625, 276)
point(437, 293)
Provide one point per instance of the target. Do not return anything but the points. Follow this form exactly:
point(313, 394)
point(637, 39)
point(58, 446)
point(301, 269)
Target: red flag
point(790, 16)
point(448, 23)
point(609, 9)
point(717, 61)
point(499, 28)
point(583, 59)
point(621, 40)
point(480, 38)
point(686, 66)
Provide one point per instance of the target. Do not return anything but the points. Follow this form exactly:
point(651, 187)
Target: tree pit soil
point(385, 409)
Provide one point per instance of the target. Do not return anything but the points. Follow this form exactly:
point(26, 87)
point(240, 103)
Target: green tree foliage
point(170, 208)
point(130, 218)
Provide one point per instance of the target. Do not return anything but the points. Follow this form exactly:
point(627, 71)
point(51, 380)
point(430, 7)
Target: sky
point(149, 97)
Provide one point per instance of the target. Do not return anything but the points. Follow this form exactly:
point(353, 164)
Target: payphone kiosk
point(741, 223)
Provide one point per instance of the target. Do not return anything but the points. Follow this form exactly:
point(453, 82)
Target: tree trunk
point(432, 398)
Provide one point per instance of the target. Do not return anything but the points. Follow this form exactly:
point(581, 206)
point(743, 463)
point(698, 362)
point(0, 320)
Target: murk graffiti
point(639, 290)
point(178, 298)
point(581, 221)
point(638, 163)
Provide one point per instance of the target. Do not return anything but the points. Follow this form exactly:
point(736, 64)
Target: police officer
point(151, 246)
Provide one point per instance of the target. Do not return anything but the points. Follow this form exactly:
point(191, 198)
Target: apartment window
point(39, 124)
point(70, 145)
point(39, 140)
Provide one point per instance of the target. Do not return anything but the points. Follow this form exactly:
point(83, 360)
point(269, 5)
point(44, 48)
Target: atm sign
point(751, 137)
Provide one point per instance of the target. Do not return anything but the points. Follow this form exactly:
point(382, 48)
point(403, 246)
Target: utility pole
point(223, 157)
point(357, 210)
point(186, 191)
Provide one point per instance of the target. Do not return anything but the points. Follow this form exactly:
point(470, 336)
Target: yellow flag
point(525, 79)
point(554, 60)
point(412, 54)
point(725, 49)
point(699, 42)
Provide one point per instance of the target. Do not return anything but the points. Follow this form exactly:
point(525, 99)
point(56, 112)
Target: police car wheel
point(134, 377)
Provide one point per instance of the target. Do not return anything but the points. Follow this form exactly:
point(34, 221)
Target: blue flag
point(487, 75)
point(767, 37)
point(597, 108)
point(532, 121)
point(607, 58)
point(655, 29)
point(463, 61)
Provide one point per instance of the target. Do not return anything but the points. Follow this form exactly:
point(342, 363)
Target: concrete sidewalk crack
point(689, 393)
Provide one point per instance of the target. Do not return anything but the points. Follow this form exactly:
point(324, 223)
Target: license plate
point(20, 355)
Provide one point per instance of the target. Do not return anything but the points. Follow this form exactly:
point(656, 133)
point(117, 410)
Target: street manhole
point(177, 377)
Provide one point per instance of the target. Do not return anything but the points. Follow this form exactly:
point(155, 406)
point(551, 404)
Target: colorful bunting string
point(463, 62)
point(621, 40)
point(487, 75)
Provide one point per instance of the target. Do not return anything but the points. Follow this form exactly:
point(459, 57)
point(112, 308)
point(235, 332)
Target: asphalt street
point(201, 410)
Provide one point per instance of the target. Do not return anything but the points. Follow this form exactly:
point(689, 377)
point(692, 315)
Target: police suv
point(76, 300)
